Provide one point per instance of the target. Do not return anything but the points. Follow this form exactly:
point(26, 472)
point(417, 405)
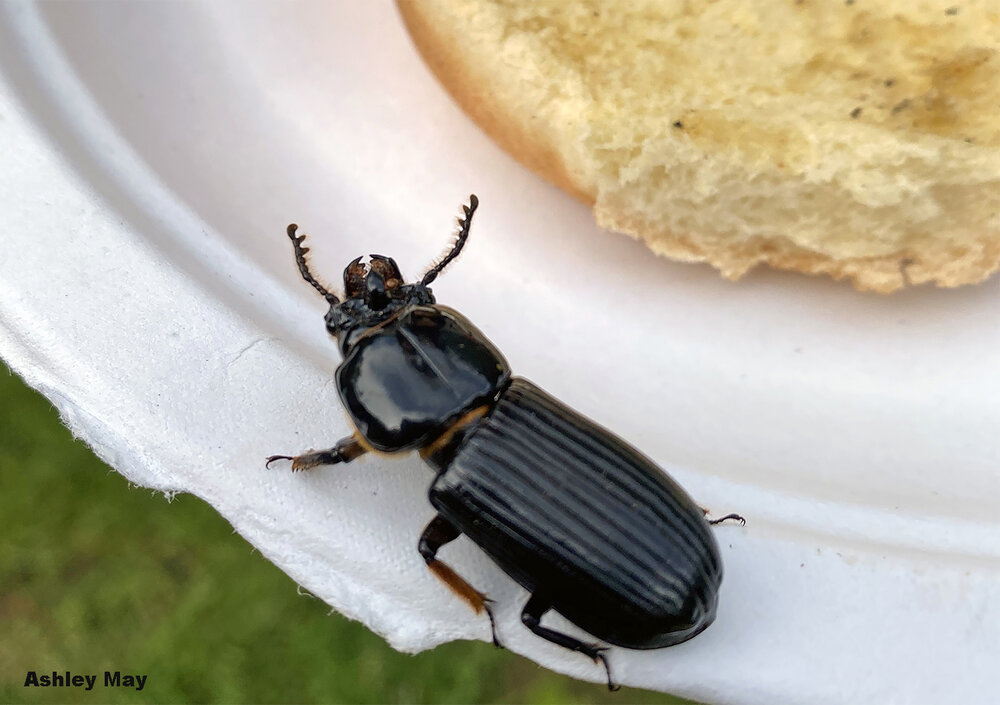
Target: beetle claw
point(299, 462)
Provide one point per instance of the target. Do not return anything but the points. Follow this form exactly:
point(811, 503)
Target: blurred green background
point(97, 575)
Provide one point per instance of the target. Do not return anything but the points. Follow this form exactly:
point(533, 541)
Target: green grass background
point(97, 575)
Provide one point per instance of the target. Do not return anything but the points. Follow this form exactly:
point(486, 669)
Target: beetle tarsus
point(488, 606)
point(346, 450)
point(612, 686)
point(728, 517)
point(531, 617)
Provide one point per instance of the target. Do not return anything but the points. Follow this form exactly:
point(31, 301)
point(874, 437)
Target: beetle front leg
point(439, 532)
point(346, 450)
point(531, 617)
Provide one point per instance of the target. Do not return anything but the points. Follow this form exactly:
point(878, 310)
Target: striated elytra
point(591, 527)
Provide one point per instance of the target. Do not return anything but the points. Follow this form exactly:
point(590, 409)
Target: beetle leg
point(346, 450)
point(531, 617)
point(734, 517)
point(439, 532)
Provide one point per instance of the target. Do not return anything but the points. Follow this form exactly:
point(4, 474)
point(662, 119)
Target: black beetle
point(589, 526)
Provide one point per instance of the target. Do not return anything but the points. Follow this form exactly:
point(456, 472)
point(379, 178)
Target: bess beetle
point(588, 525)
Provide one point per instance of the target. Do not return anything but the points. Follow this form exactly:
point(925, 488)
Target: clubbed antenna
point(300, 259)
point(463, 235)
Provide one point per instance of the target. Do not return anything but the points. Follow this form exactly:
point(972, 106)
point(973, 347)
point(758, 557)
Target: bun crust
point(826, 138)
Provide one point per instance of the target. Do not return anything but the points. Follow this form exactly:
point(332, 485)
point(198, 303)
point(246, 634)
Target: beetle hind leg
point(728, 517)
point(346, 450)
point(531, 617)
point(439, 532)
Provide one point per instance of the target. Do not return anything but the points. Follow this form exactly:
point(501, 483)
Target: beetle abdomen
point(568, 508)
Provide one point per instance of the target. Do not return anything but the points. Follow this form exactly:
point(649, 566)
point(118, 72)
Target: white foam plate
point(154, 153)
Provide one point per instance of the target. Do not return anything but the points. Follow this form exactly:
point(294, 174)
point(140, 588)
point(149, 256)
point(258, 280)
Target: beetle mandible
point(588, 525)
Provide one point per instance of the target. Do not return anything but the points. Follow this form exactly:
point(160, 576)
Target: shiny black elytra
point(588, 525)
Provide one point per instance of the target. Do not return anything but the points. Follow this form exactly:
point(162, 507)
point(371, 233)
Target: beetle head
point(374, 293)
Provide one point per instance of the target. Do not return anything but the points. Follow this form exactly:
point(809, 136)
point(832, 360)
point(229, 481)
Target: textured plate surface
point(155, 153)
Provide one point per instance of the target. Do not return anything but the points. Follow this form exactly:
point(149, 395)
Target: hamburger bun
point(858, 139)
